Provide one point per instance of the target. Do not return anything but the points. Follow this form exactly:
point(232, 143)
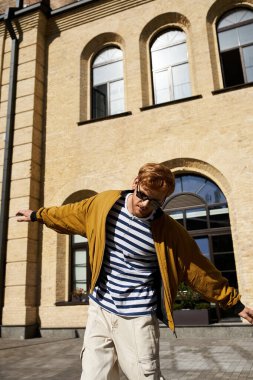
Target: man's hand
point(247, 314)
point(24, 215)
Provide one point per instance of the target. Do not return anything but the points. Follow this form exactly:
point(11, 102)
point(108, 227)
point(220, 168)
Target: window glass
point(200, 186)
point(161, 86)
point(79, 263)
point(170, 70)
point(168, 38)
point(219, 216)
point(79, 274)
point(222, 243)
point(116, 97)
point(178, 216)
point(80, 257)
point(211, 193)
point(248, 59)
point(225, 262)
point(235, 17)
point(245, 34)
point(196, 219)
point(181, 81)
point(209, 224)
point(178, 185)
point(107, 73)
point(108, 83)
point(108, 55)
point(79, 239)
point(228, 39)
point(203, 244)
point(192, 184)
point(235, 35)
point(160, 59)
point(169, 56)
point(178, 54)
point(100, 101)
point(232, 68)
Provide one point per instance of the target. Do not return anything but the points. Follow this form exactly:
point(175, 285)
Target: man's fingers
point(19, 213)
point(247, 314)
point(24, 215)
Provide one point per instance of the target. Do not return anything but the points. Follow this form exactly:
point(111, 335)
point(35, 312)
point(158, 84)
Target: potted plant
point(190, 309)
point(79, 295)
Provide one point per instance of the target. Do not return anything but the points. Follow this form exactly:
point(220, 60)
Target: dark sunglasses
point(142, 196)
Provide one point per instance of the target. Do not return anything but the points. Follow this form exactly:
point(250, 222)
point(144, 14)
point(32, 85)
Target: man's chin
point(141, 213)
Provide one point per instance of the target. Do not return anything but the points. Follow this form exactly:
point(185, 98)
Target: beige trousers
point(111, 340)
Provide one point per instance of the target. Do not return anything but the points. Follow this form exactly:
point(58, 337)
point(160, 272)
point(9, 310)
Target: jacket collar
point(159, 212)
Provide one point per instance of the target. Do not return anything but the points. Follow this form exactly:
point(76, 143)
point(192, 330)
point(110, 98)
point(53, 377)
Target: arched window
point(80, 268)
point(235, 35)
point(201, 207)
point(107, 83)
point(170, 68)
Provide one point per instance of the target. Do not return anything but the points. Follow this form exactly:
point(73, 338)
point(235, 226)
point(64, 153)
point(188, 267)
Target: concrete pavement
point(183, 358)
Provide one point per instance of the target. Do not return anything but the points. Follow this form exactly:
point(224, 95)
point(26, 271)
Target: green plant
point(79, 294)
point(187, 298)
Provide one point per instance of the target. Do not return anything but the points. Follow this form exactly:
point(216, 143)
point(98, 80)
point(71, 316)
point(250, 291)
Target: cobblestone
point(187, 359)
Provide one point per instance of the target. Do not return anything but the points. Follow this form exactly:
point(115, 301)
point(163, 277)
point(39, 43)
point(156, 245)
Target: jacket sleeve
point(67, 219)
point(201, 275)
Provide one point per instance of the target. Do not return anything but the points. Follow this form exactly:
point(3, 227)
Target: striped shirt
point(126, 284)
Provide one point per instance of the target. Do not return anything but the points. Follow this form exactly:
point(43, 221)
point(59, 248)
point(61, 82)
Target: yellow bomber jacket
point(178, 255)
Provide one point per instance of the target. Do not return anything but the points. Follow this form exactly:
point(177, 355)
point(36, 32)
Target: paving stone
point(187, 359)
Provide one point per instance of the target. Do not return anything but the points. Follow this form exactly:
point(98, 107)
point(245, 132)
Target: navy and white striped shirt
point(126, 284)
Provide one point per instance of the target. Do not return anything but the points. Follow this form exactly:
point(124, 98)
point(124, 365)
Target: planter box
point(191, 317)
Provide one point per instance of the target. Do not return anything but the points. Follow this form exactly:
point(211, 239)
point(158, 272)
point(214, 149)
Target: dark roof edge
point(69, 7)
point(26, 10)
point(47, 10)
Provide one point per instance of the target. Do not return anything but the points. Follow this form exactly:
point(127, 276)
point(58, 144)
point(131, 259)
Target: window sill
point(105, 118)
point(71, 303)
point(190, 98)
point(232, 88)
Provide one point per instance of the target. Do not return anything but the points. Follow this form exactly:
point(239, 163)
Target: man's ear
point(135, 183)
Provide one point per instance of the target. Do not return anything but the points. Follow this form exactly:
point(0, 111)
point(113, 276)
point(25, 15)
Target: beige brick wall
point(23, 265)
point(208, 131)
point(211, 135)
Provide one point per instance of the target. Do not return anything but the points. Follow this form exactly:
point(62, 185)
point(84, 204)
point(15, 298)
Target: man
point(138, 257)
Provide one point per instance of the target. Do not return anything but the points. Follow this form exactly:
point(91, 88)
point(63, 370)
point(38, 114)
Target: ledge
point(232, 88)
point(189, 99)
point(71, 303)
point(71, 6)
point(19, 331)
point(104, 118)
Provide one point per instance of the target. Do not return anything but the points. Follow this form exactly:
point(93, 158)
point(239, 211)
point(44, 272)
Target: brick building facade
point(65, 133)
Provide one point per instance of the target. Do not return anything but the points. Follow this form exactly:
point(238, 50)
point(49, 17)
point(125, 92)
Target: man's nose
point(145, 203)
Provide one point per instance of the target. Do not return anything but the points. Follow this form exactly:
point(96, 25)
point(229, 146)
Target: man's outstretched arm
point(26, 216)
point(247, 314)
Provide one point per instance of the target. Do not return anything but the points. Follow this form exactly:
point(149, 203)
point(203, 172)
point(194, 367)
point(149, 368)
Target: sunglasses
point(143, 197)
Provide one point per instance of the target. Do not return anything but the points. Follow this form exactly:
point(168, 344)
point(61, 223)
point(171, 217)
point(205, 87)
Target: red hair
point(156, 176)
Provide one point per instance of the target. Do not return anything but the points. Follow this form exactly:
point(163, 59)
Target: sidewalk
point(183, 358)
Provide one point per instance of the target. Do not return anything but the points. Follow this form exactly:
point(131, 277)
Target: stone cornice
point(88, 13)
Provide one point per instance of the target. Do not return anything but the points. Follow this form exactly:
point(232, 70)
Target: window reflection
point(196, 219)
point(178, 216)
point(235, 35)
point(79, 251)
point(201, 186)
point(248, 59)
point(108, 83)
point(171, 79)
point(219, 217)
point(203, 244)
point(201, 207)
